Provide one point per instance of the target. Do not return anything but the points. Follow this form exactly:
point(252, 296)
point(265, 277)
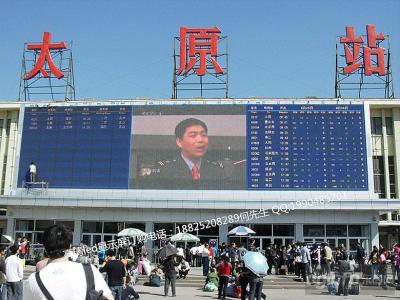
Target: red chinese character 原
point(202, 42)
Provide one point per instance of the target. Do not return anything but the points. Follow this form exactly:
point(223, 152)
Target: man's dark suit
point(175, 174)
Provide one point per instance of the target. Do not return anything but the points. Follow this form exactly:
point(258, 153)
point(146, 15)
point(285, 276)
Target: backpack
point(333, 287)
point(91, 293)
point(375, 258)
point(354, 289)
point(154, 280)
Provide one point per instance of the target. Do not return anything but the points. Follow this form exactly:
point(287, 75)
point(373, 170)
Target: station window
point(68, 224)
point(389, 125)
point(314, 230)
point(336, 230)
point(168, 227)
point(379, 176)
point(42, 225)
point(355, 230)
point(376, 125)
point(283, 230)
point(113, 227)
point(263, 229)
point(392, 177)
point(92, 227)
point(140, 226)
point(25, 225)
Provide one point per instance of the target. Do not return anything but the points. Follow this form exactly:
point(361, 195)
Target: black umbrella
point(166, 251)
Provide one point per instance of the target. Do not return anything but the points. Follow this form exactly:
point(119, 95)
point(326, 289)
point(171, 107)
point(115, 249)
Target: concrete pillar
point(77, 236)
point(3, 143)
point(10, 226)
point(298, 232)
point(385, 152)
point(149, 227)
point(223, 234)
point(374, 235)
point(396, 139)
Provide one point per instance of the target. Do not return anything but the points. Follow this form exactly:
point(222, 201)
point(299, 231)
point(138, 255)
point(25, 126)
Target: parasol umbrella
point(8, 238)
point(131, 232)
point(241, 230)
point(184, 237)
point(166, 251)
point(256, 263)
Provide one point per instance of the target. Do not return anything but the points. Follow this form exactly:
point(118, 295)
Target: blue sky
point(123, 49)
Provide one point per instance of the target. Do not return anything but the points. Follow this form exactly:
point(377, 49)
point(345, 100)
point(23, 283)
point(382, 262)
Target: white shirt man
point(14, 269)
point(60, 272)
point(180, 251)
point(32, 172)
point(14, 275)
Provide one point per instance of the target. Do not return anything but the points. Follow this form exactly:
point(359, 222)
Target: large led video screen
point(197, 147)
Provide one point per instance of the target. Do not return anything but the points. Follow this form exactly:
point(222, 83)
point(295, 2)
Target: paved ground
point(295, 292)
point(185, 293)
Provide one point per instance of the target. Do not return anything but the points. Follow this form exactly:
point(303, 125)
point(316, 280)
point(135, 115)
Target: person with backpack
point(344, 275)
point(61, 278)
point(374, 261)
point(116, 274)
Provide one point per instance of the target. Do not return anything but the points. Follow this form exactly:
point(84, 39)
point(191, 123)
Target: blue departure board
point(77, 146)
point(306, 147)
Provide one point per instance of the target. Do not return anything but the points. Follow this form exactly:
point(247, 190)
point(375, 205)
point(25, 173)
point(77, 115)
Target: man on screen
point(190, 169)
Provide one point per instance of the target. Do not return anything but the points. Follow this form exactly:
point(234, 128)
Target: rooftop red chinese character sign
point(365, 67)
point(201, 42)
point(51, 62)
point(45, 56)
point(199, 57)
point(352, 46)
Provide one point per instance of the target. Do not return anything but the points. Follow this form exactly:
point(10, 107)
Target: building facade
point(97, 206)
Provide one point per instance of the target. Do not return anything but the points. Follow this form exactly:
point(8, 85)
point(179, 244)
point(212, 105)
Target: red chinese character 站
point(373, 49)
point(352, 49)
point(351, 56)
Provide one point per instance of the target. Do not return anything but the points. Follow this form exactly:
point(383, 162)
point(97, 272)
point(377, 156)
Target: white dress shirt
point(14, 271)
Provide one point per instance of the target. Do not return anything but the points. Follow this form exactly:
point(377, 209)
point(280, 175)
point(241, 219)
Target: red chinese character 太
point(373, 49)
point(202, 42)
point(351, 56)
point(45, 55)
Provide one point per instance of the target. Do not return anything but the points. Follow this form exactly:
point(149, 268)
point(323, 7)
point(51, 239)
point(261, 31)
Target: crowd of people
point(222, 266)
point(304, 261)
